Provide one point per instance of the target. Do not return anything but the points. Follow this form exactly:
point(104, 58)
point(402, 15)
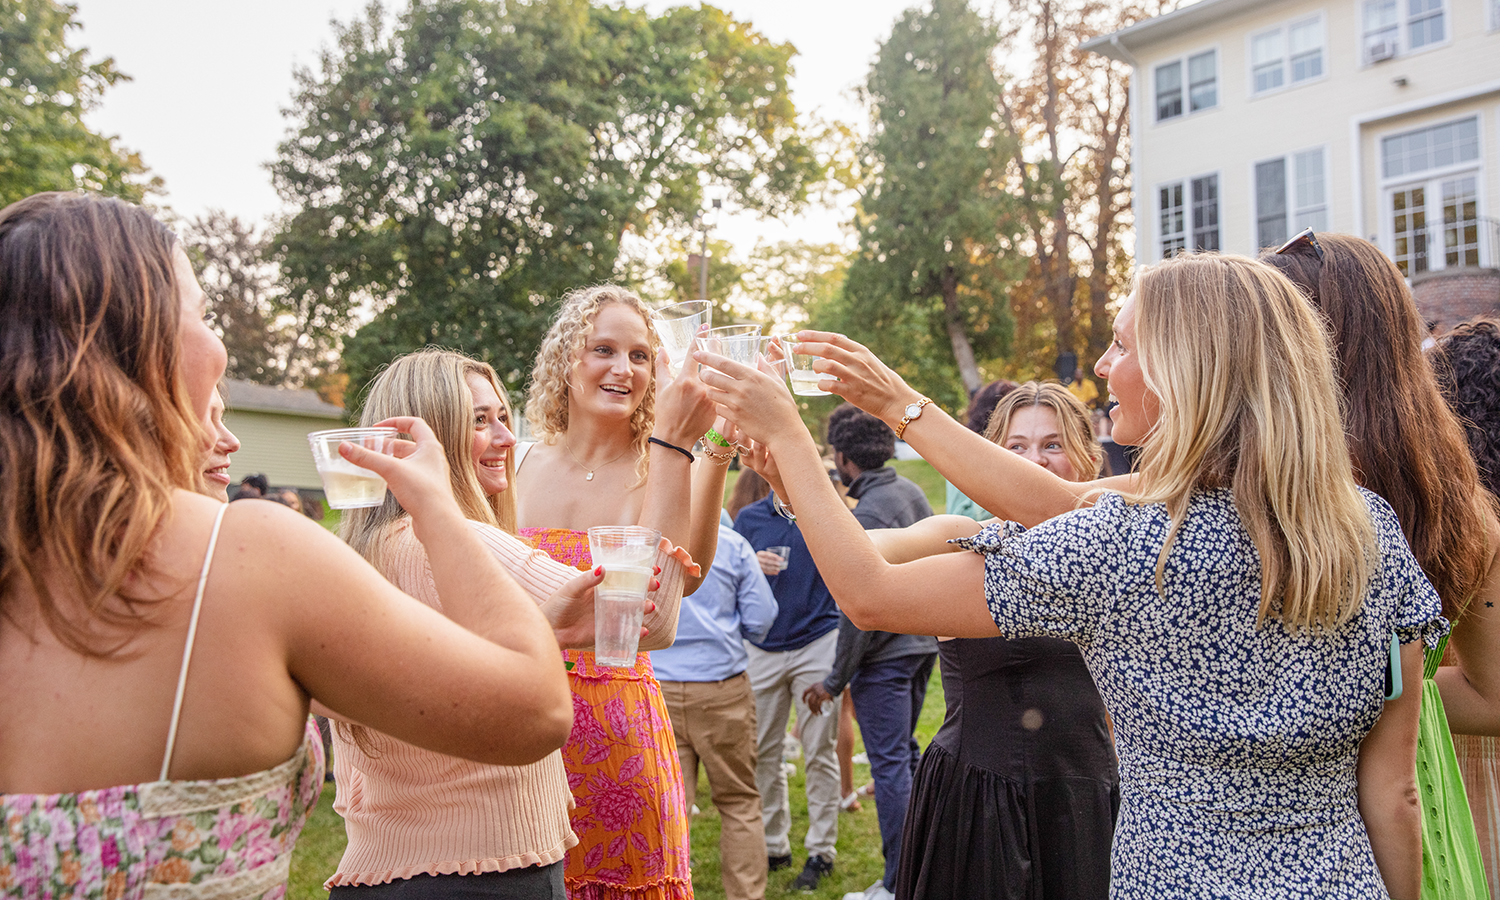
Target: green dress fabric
point(1451, 865)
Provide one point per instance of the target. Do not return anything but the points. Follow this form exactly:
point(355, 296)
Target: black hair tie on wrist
point(687, 453)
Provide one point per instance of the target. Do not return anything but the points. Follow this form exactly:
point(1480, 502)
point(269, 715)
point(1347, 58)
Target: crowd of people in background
point(1226, 632)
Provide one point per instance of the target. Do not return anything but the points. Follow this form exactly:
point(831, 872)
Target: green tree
point(45, 89)
point(460, 170)
point(936, 229)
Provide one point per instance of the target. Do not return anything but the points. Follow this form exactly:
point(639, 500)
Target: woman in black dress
point(1017, 794)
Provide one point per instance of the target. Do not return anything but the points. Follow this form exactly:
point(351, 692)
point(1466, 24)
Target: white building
point(1253, 119)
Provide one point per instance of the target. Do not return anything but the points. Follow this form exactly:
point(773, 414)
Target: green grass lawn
point(859, 861)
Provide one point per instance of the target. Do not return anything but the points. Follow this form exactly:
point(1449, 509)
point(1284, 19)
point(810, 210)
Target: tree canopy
point(936, 227)
point(460, 169)
point(45, 88)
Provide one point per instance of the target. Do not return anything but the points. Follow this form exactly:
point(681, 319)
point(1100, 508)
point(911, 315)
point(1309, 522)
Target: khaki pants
point(714, 722)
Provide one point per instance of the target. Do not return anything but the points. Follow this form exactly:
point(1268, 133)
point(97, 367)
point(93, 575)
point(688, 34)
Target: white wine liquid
point(617, 627)
point(350, 487)
point(634, 579)
point(805, 383)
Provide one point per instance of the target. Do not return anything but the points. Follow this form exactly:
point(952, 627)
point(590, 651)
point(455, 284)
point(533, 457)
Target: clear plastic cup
point(346, 485)
point(677, 326)
point(773, 350)
point(628, 555)
point(784, 552)
point(740, 343)
point(804, 379)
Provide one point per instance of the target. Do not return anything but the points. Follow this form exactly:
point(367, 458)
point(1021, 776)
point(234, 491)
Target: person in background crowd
point(1243, 648)
point(794, 655)
point(1025, 748)
point(1409, 448)
point(748, 488)
point(598, 402)
point(253, 487)
point(886, 673)
point(291, 500)
point(977, 416)
point(1468, 368)
point(708, 695)
point(216, 467)
point(154, 733)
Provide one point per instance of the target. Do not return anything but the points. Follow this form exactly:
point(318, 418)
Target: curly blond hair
point(547, 395)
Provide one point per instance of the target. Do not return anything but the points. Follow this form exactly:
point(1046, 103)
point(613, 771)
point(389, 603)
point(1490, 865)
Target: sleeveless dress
point(219, 839)
point(622, 764)
point(1451, 865)
point(1017, 794)
point(1238, 741)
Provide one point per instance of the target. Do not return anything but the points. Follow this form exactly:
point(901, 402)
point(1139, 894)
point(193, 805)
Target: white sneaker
point(861, 759)
point(875, 891)
point(789, 768)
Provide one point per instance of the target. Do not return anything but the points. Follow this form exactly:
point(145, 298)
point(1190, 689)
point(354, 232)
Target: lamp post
point(702, 223)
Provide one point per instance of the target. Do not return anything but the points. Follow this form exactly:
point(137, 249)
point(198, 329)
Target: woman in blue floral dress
point(1238, 609)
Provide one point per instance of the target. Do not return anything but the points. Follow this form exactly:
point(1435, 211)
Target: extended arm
point(1388, 800)
point(928, 537)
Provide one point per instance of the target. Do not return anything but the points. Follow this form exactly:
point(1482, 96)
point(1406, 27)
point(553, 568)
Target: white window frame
point(1284, 30)
point(1431, 181)
point(1186, 86)
point(1402, 41)
point(1293, 213)
point(1189, 226)
point(1493, 14)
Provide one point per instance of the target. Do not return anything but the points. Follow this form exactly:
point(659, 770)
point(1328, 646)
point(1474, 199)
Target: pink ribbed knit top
point(409, 811)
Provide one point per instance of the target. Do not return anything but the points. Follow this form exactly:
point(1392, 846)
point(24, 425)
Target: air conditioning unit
point(1380, 51)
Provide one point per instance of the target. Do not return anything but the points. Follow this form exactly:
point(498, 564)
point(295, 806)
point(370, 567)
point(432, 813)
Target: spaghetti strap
point(187, 649)
point(521, 450)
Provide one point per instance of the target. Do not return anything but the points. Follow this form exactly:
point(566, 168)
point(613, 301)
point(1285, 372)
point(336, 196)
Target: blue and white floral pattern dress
point(1237, 743)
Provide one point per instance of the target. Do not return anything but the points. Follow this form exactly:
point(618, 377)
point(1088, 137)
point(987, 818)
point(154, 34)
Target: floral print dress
point(623, 769)
point(1238, 741)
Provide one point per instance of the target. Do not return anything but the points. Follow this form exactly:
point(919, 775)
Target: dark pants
point(530, 883)
point(888, 698)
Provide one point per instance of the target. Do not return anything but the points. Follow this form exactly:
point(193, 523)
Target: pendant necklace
point(590, 475)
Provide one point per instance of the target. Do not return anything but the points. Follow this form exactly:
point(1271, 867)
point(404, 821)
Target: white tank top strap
point(187, 649)
point(522, 449)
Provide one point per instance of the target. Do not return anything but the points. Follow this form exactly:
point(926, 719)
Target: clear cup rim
point(732, 331)
point(607, 530)
point(350, 433)
point(676, 310)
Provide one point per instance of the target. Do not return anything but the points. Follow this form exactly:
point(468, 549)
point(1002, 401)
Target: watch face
point(913, 410)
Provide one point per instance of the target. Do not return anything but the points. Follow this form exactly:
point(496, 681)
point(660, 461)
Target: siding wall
point(1346, 111)
point(275, 444)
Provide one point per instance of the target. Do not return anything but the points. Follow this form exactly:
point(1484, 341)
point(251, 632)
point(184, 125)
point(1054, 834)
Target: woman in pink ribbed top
point(424, 824)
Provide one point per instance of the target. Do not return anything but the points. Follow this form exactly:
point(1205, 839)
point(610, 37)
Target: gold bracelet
point(721, 459)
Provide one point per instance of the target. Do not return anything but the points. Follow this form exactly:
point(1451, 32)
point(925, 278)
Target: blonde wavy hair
point(547, 395)
point(1244, 371)
point(96, 426)
point(1079, 443)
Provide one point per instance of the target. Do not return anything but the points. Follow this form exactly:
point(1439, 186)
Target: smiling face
point(492, 435)
point(1036, 434)
point(203, 355)
point(216, 469)
point(1138, 406)
point(613, 370)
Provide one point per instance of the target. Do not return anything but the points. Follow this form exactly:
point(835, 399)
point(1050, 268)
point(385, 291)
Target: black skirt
point(1016, 797)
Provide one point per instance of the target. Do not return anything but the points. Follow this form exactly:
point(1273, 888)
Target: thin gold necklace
point(590, 475)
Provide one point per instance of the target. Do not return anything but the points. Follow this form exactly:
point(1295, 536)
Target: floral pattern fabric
point(623, 769)
point(1237, 742)
point(225, 839)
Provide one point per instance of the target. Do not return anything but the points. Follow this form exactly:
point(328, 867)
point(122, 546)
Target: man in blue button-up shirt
point(708, 695)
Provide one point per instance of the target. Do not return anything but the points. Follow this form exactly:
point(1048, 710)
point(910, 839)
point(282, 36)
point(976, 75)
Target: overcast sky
point(211, 78)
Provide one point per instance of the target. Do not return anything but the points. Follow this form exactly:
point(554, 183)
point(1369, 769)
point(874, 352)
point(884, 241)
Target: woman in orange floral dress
point(592, 402)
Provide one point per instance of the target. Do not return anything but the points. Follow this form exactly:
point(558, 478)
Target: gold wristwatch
point(913, 410)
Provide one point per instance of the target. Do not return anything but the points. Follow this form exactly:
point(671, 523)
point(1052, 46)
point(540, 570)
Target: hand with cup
point(773, 560)
point(804, 378)
point(678, 325)
point(857, 374)
point(626, 553)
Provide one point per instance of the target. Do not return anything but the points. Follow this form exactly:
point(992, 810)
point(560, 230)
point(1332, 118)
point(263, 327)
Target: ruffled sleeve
point(676, 567)
point(1416, 608)
point(1053, 580)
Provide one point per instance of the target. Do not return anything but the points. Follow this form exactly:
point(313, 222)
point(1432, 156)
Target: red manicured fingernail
point(598, 570)
point(657, 570)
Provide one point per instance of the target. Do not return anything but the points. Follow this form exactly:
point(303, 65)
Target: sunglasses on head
point(1305, 236)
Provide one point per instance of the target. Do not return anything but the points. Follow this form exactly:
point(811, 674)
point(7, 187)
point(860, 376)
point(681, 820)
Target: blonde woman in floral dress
point(592, 405)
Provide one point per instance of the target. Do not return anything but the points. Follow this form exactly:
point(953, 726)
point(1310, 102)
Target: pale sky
point(211, 77)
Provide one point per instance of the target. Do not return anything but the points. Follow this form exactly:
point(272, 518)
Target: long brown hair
point(1406, 444)
point(96, 426)
point(748, 489)
point(1242, 367)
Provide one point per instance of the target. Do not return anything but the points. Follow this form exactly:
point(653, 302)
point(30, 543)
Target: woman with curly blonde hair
point(599, 381)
